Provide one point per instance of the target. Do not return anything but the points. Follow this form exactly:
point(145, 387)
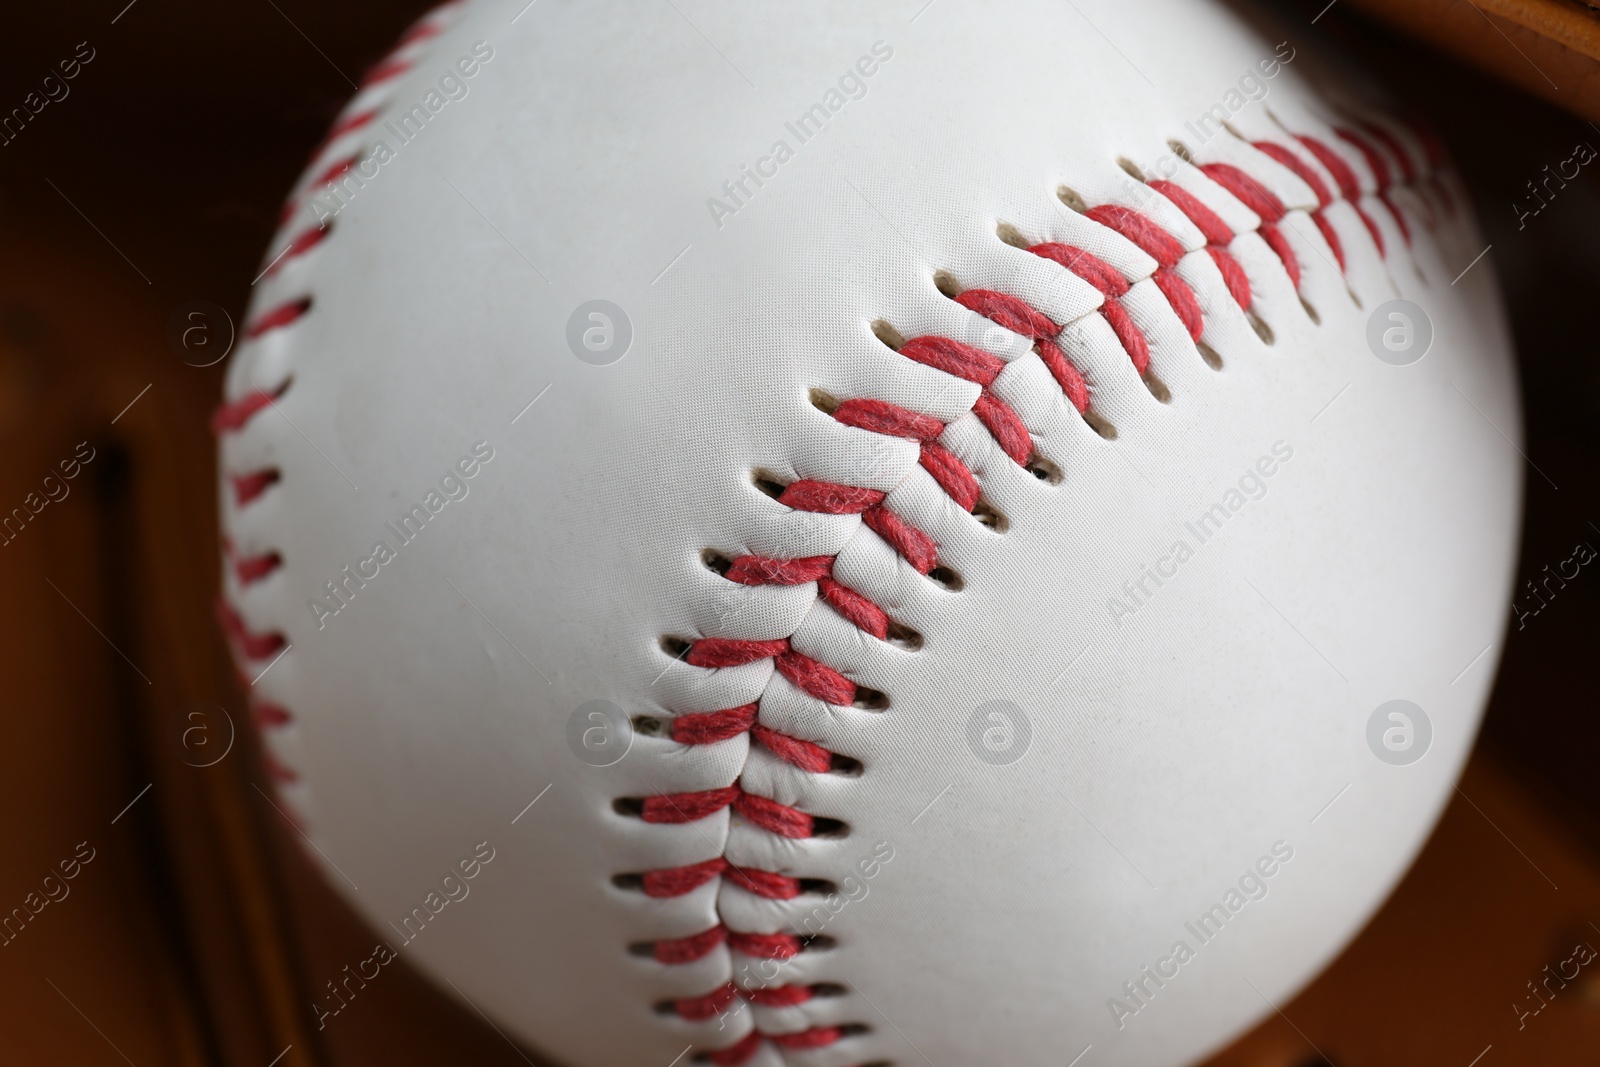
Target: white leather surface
point(1169, 750)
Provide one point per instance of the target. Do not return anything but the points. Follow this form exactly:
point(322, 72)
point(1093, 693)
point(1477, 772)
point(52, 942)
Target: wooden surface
point(198, 934)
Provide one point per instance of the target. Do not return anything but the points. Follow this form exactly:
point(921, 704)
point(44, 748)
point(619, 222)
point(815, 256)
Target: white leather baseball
point(1067, 745)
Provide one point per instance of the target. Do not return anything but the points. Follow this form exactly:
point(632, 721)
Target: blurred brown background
point(195, 933)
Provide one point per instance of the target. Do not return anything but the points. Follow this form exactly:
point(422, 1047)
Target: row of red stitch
point(880, 417)
point(742, 1051)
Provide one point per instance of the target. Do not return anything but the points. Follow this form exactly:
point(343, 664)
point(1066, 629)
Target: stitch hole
point(768, 483)
point(844, 766)
point(1043, 470)
point(650, 726)
point(715, 561)
point(819, 886)
point(903, 636)
point(946, 283)
point(869, 699)
point(1354, 299)
point(632, 807)
point(828, 989)
point(1181, 150)
point(1012, 236)
point(642, 948)
point(1130, 168)
point(818, 943)
point(947, 578)
point(1311, 312)
point(829, 828)
point(1070, 197)
point(991, 518)
point(824, 401)
point(1209, 354)
point(628, 881)
point(888, 335)
point(665, 1007)
point(676, 647)
point(1157, 387)
point(1261, 328)
point(1100, 424)
point(854, 1029)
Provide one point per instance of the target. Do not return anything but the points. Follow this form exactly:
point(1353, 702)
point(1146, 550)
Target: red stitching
point(1380, 173)
point(252, 645)
point(246, 487)
point(302, 243)
point(278, 317)
point(251, 569)
point(1344, 176)
point(710, 727)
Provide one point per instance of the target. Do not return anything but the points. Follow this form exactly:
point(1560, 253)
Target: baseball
point(861, 535)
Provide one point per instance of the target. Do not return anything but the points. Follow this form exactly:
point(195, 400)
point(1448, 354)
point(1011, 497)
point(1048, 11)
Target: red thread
point(270, 716)
point(1086, 265)
point(1157, 243)
point(1008, 311)
point(1287, 158)
point(384, 70)
point(816, 1037)
point(773, 817)
point(1233, 275)
point(251, 645)
point(879, 416)
point(335, 170)
point(737, 1054)
point(1128, 332)
point(783, 996)
point(953, 357)
point(760, 570)
point(278, 317)
point(691, 948)
point(1380, 173)
point(676, 881)
point(817, 679)
point(707, 728)
point(951, 474)
point(1183, 301)
point(232, 415)
point(803, 754)
point(829, 498)
point(246, 487)
point(1208, 222)
point(1345, 178)
point(731, 651)
point(856, 608)
point(304, 242)
point(714, 1003)
point(764, 883)
point(677, 808)
point(917, 547)
point(249, 569)
point(1006, 425)
point(277, 770)
point(1218, 237)
point(766, 946)
point(1247, 190)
